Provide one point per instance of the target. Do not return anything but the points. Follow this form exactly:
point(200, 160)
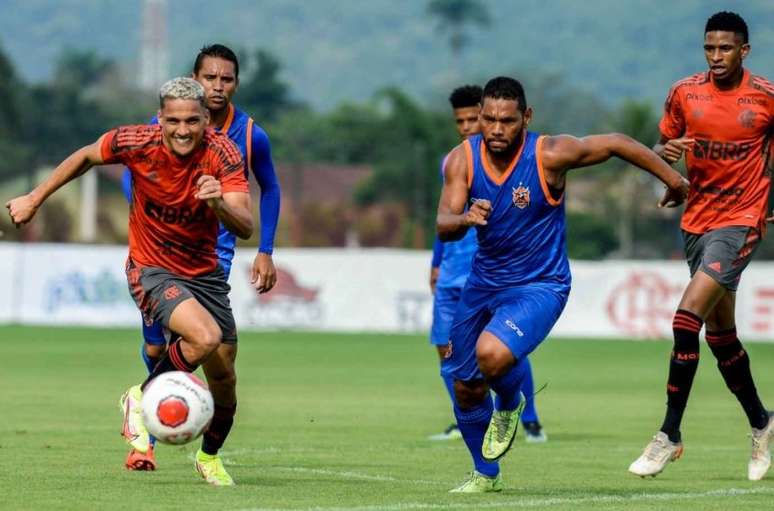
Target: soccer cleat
point(141, 461)
point(760, 459)
point(657, 454)
point(133, 430)
point(500, 433)
point(450, 433)
point(479, 483)
point(211, 468)
point(534, 433)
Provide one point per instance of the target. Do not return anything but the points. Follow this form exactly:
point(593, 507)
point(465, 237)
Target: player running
point(509, 183)
point(722, 121)
point(188, 180)
point(216, 67)
point(450, 268)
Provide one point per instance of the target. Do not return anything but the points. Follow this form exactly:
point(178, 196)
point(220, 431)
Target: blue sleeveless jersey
point(524, 239)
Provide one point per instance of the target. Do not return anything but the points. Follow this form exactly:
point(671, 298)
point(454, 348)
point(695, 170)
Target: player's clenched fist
point(21, 209)
point(208, 188)
point(478, 213)
point(676, 194)
point(674, 149)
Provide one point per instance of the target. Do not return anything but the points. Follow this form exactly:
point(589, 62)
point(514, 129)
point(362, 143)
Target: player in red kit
point(187, 180)
point(721, 120)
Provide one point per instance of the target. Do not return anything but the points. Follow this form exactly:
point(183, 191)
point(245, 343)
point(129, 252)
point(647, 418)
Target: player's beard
point(510, 148)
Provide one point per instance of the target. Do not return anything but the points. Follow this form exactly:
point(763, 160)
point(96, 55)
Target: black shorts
point(157, 292)
point(723, 253)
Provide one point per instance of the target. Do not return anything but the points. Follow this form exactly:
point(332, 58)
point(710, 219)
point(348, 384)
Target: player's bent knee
point(470, 394)
point(493, 360)
point(205, 338)
point(155, 350)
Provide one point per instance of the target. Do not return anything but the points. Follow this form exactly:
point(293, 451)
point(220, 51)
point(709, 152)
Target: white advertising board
point(379, 290)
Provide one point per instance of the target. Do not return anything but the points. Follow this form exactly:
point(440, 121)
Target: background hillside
point(340, 50)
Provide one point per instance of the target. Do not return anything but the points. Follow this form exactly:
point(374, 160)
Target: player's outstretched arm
point(23, 208)
point(564, 152)
point(453, 221)
point(233, 209)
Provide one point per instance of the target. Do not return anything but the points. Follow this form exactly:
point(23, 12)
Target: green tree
point(12, 146)
point(86, 97)
point(262, 92)
point(454, 17)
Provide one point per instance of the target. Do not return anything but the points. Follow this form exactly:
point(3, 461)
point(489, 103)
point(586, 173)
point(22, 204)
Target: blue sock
point(150, 363)
point(528, 389)
point(473, 424)
point(507, 387)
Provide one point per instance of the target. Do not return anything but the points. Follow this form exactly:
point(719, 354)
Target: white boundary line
point(358, 475)
point(533, 502)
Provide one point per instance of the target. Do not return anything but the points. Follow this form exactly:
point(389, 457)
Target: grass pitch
point(339, 422)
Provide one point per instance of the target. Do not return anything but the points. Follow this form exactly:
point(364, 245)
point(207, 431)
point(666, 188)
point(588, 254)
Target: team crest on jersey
point(747, 119)
point(521, 197)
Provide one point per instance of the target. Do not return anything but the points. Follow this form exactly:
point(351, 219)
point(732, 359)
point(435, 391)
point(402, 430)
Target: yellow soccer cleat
point(211, 468)
point(479, 483)
point(500, 433)
point(133, 430)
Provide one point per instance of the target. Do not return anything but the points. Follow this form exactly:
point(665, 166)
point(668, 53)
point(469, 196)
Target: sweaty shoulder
point(458, 164)
point(224, 150)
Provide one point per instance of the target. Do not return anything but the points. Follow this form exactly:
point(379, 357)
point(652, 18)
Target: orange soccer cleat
point(140, 461)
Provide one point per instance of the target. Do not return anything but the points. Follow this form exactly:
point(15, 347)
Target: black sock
point(218, 430)
point(734, 365)
point(682, 368)
point(173, 360)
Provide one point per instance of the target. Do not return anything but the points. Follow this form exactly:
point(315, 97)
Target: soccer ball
point(176, 407)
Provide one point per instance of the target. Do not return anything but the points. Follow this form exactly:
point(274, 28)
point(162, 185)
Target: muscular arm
point(450, 222)
point(562, 153)
point(235, 213)
point(23, 208)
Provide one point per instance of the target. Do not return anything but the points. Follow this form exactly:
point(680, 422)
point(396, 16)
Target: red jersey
point(728, 166)
point(168, 227)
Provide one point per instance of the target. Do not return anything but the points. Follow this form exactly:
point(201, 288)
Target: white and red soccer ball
point(176, 407)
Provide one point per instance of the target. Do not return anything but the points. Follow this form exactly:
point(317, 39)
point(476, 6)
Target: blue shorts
point(520, 317)
point(445, 303)
point(154, 333)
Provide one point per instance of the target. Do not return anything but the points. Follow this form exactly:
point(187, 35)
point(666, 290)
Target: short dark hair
point(726, 21)
point(503, 87)
point(465, 96)
point(219, 51)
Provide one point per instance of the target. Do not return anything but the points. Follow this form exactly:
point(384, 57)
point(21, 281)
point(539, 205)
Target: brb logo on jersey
point(719, 150)
point(521, 197)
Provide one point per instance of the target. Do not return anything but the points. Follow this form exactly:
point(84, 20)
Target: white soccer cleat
point(657, 454)
point(133, 429)
point(760, 458)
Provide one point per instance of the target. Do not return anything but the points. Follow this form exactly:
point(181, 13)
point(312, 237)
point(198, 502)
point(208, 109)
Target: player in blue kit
point(450, 268)
point(216, 67)
point(509, 183)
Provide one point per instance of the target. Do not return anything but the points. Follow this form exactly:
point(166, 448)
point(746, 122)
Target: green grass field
point(339, 422)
